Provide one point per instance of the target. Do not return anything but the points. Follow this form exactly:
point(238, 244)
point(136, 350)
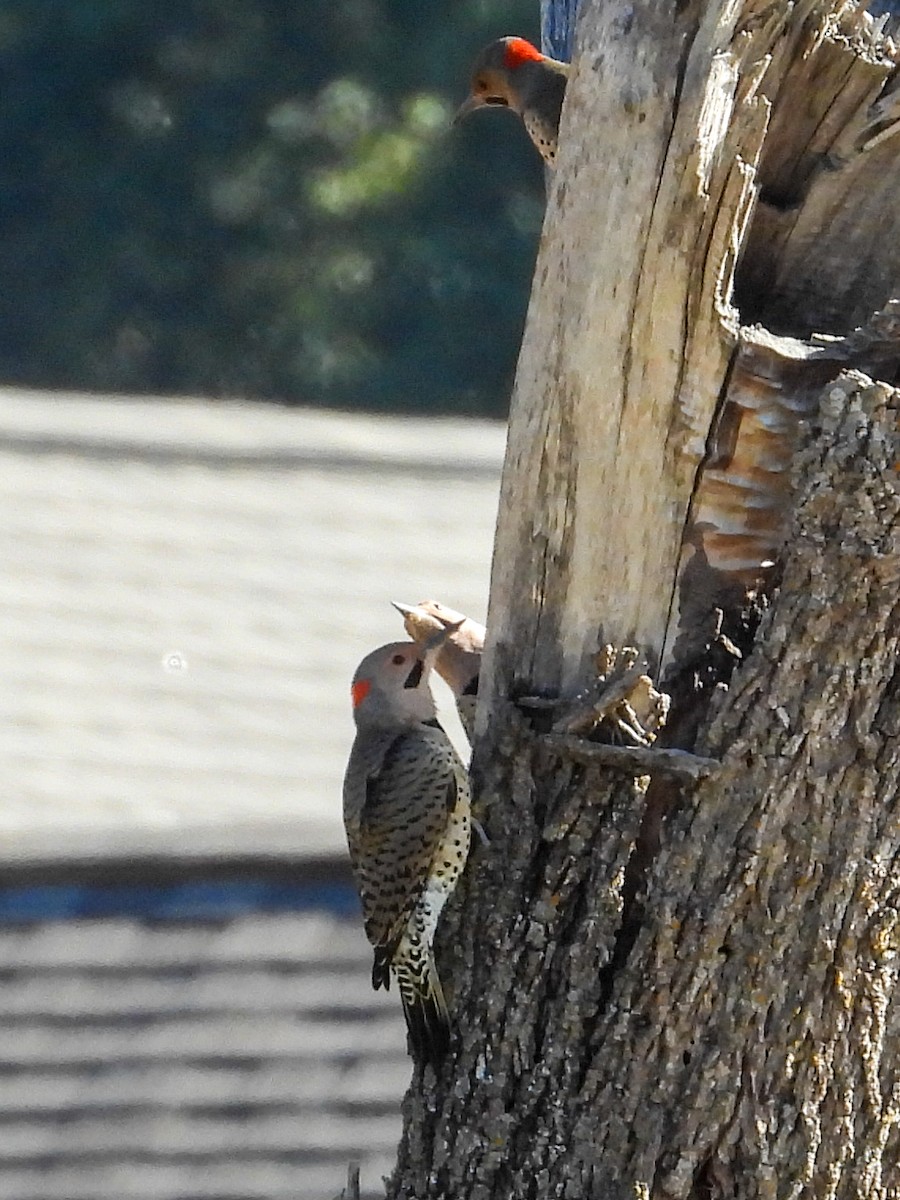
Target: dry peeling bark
point(731, 559)
point(673, 971)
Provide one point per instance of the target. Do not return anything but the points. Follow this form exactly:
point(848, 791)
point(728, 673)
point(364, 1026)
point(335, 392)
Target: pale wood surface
point(655, 247)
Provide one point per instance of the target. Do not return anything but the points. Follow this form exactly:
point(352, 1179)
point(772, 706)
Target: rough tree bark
point(674, 970)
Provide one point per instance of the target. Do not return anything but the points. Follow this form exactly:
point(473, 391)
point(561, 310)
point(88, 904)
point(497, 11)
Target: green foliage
point(255, 197)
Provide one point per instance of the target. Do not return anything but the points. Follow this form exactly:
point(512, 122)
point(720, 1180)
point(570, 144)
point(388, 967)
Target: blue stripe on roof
point(193, 900)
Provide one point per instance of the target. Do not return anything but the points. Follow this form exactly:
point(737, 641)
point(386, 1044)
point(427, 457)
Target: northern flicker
point(459, 657)
point(514, 74)
point(406, 813)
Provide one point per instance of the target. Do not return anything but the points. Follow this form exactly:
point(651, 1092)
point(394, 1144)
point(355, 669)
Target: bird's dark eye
point(398, 660)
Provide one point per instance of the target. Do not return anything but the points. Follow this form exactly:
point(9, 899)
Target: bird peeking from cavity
point(458, 659)
point(511, 73)
point(407, 818)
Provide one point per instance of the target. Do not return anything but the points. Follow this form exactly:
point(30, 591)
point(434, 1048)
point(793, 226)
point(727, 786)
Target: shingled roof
point(187, 588)
point(185, 999)
point(237, 1059)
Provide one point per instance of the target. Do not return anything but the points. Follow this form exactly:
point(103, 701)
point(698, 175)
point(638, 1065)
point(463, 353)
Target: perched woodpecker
point(459, 657)
point(406, 813)
point(514, 74)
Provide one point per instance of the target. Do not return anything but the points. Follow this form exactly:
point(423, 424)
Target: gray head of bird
point(391, 685)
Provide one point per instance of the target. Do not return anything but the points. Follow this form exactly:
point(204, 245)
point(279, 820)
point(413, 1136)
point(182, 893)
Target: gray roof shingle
point(245, 1059)
point(253, 549)
point(187, 588)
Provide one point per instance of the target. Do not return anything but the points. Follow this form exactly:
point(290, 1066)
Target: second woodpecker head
point(459, 641)
point(424, 620)
point(511, 73)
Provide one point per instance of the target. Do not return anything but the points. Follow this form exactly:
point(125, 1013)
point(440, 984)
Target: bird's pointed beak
point(469, 105)
point(405, 610)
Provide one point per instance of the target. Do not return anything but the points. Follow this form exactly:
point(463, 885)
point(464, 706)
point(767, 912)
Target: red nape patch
point(519, 51)
point(359, 691)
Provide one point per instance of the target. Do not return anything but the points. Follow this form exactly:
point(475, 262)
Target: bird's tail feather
point(426, 1013)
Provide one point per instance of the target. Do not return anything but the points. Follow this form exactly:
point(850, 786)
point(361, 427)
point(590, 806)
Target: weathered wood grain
point(591, 486)
point(654, 252)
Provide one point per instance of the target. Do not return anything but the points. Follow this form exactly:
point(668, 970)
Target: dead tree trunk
point(674, 974)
